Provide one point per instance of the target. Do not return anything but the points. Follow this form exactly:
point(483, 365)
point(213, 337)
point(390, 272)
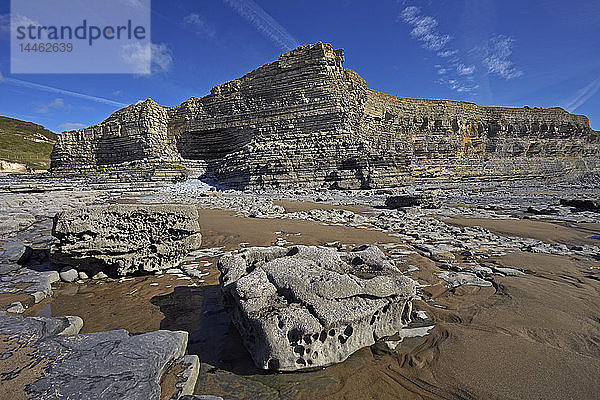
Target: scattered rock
point(68, 274)
point(16, 308)
point(508, 271)
point(100, 275)
point(174, 271)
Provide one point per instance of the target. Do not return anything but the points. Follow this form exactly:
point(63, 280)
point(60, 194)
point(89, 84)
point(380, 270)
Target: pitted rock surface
point(120, 239)
point(304, 307)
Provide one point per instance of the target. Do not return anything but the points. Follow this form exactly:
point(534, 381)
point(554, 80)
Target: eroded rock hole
point(294, 336)
point(342, 339)
point(348, 331)
point(406, 312)
point(323, 336)
point(299, 350)
point(273, 364)
point(307, 339)
point(300, 361)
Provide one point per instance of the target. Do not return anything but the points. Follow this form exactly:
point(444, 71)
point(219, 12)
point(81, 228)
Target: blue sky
point(542, 53)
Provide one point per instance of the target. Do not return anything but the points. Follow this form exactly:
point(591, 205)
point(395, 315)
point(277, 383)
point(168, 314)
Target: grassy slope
point(25, 142)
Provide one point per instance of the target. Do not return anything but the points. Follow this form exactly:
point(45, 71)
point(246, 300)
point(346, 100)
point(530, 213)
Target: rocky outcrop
point(47, 358)
point(121, 239)
point(304, 307)
point(304, 120)
point(424, 200)
point(582, 204)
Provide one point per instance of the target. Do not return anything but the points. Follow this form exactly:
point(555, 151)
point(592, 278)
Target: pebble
point(16, 308)
point(100, 275)
point(69, 274)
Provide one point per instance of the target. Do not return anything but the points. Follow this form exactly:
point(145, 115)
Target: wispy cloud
point(452, 66)
point(149, 58)
point(424, 29)
point(462, 69)
point(200, 25)
point(70, 126)
point(264, 23)
point(55, 104)
point(16, 20)
point(453, 73)
point(496, 57)
point(31, 85)
point(583, 95)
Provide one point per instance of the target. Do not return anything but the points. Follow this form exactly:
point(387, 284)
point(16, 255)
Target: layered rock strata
point(304, 120)
point(54, 361)
point(121, 239)
point(304, 307)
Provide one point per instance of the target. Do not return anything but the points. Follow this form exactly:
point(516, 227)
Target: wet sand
point(546, 231)
point(532, 336)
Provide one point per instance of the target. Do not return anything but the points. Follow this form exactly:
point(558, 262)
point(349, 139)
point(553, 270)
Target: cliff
point(304, 120)
point(26, 144)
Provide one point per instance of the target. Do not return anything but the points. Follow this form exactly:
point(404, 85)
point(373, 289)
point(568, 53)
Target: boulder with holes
point(304, 307)
point(123, 239)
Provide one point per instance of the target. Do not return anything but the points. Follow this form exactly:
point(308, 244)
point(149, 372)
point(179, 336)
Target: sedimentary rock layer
point(120, 239)
point(304, 120)
point(304, 307)
point(54, 361)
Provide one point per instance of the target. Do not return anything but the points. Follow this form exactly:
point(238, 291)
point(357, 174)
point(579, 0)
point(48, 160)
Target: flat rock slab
point(103, 365)
point(17, 282)
point(305, 307)
point(121, 239)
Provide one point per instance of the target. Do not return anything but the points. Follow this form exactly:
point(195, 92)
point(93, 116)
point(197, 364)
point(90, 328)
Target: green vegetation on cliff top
point(26, 143)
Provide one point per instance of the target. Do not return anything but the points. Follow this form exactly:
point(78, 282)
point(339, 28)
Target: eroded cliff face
point(306, 121)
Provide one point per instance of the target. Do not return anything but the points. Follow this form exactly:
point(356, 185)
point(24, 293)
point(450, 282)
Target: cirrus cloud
point(492, 58)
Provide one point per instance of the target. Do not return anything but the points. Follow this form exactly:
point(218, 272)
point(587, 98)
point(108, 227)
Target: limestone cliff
point(304, 120)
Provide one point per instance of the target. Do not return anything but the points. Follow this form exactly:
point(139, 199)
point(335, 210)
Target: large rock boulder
point(304, 307)
point(121, 239)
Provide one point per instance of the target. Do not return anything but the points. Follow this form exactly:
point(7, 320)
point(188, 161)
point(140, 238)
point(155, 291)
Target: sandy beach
point(535, 334)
